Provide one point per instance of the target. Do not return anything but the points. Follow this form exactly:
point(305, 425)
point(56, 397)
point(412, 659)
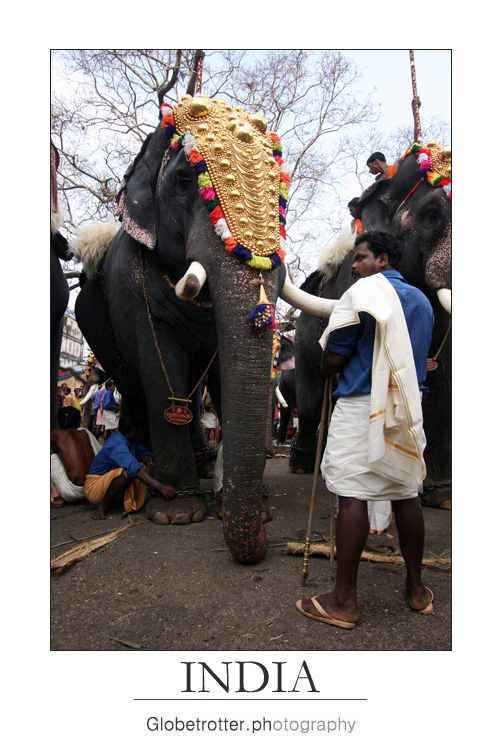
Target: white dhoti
point(111, 419)
point(345, 464)
point(70, 492)
point(217, 482)
point(209, 420)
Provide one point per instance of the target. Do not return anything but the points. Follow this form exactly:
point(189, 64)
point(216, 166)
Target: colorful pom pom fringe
point(424, 162)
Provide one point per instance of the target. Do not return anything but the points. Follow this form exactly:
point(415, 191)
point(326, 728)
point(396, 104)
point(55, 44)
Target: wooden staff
point(200, 62)
point(416, 103)
point(195, 82)
point(327, 388)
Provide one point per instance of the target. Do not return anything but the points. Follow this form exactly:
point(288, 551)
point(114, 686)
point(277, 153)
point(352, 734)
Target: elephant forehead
point(237, 149)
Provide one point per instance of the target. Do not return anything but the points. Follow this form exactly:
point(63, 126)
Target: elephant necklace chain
point(175, 414)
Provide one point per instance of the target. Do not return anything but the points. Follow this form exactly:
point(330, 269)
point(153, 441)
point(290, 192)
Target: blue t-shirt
point(109, 401)
point(356, 342)
point(117, 452)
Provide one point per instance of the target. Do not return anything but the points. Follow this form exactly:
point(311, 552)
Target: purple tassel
point(262, 317)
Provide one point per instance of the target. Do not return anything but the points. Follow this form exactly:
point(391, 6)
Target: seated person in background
point(378, 166)
point(122, 469)
point(72, 451)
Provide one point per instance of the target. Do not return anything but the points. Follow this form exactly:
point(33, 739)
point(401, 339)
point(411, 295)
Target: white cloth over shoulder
point(396, 439)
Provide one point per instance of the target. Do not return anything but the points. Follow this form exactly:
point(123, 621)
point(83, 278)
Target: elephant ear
point(136, 197)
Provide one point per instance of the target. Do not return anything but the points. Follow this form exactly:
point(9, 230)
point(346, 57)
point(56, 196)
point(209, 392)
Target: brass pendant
point(431, 365)
point(178, 415)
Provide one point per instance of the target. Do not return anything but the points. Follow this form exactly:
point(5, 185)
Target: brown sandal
point(323, 616)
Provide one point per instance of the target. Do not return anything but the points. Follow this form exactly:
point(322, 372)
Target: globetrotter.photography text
point(253, 726)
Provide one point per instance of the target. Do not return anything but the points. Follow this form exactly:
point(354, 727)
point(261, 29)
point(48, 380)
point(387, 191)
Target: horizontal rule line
point(250, 699)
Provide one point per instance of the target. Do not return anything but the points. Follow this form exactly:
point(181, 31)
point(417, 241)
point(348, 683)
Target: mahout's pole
point(416, 102)
point(307, 544)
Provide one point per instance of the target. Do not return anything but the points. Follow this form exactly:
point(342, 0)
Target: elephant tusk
point(193, 280)
point(280, 398)
point(445, 299)
point(307, 302)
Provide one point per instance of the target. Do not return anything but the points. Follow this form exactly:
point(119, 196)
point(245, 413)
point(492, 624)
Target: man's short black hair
point(109, 383)
point(68, 418)
point(376, 155)
point(127, 423)
point(382, 242)
point(353, 202)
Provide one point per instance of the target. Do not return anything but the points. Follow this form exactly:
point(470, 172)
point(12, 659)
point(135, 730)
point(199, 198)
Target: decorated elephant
point(186, 290)
point(59, 290)
point(415, 205)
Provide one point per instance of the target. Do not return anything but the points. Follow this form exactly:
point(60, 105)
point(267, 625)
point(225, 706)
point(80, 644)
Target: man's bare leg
point(410, 526)
point(352, 528)
point(115, 490)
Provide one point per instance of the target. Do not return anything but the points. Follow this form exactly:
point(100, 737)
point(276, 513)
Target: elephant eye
point(183, 179)
point(432, 219)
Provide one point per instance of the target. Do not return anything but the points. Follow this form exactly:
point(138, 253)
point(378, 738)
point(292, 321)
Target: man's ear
point(382, 260)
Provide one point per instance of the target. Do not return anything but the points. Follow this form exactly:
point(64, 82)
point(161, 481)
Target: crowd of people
point(373, 459)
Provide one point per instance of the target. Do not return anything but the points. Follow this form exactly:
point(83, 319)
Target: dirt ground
point(178, 588)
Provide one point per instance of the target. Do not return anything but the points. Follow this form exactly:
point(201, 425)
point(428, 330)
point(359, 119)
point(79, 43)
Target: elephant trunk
point(245, 362)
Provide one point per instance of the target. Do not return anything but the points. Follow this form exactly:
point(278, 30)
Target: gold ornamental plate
point(238, 151)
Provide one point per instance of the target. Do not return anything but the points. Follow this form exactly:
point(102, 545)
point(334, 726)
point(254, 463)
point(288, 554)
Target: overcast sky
point(389, 73)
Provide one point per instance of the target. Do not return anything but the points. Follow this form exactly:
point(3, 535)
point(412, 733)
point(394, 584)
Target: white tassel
point(189, 143)
point(334, 254)
point(221, 228)
point(57, 219)
point(92, 242)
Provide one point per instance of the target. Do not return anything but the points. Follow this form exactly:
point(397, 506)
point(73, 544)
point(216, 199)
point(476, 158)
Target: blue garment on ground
point(356, 342)
point(119, 452)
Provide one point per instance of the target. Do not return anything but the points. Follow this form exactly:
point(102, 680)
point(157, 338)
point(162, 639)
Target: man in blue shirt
point(122, 468)
point(377, 341)
point(111, 409)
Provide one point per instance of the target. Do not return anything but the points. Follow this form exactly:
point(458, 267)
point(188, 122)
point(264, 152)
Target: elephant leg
point(175, 464)
point(309, 405)
point(199, 442)
point(171, 444)
point(179, 510)
point(55, 350)
point(285, 415)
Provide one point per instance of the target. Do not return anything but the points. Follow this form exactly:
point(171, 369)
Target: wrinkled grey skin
point(111, 312)
point(423, 227)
